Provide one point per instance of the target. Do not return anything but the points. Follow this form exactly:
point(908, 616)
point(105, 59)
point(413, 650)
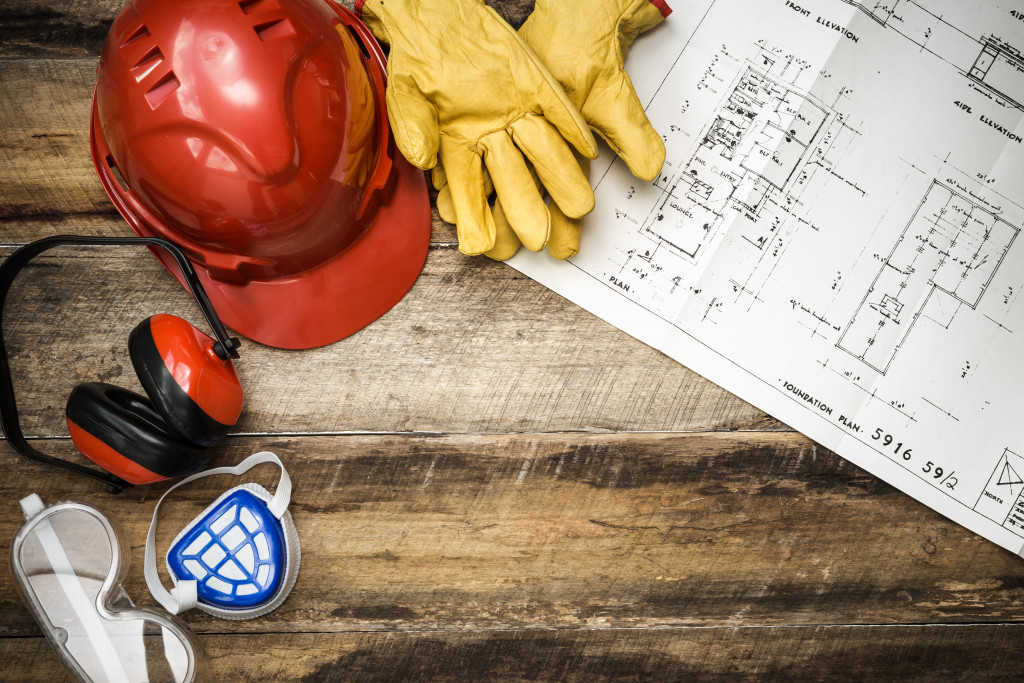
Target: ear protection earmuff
point(193, 394)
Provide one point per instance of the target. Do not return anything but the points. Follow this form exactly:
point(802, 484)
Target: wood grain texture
point(472, 532)
point(55, 28)
point(890, 653)
point(64, 28)
point(474, 347)
point(45, 167)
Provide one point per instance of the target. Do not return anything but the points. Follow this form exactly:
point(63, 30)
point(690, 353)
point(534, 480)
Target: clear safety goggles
point(68, 562)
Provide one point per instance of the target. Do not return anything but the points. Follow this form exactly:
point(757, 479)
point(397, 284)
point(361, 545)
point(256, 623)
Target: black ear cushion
point(128, 423)
point(181, 414)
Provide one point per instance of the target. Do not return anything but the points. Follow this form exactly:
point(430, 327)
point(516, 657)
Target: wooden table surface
point(490, 483)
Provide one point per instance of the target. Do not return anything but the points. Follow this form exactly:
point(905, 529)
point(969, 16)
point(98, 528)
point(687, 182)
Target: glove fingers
point(440, 180)
point(445, 209)
point(555, 164)
point(506, 243)
point(522, 203)
point(473, 220)
point(561, 112)
point(565, 232)
point(618, 117)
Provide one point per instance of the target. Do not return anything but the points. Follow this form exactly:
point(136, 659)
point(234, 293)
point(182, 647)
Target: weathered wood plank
point(63, 28)
point(908, 653)
point(474, 347)
point(405, 533)
point(55, 28)
point(45, 167)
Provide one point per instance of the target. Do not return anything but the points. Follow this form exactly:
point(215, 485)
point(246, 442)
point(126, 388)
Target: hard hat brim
point(343, 295)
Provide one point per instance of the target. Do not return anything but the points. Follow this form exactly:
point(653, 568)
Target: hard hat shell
point(254, 135)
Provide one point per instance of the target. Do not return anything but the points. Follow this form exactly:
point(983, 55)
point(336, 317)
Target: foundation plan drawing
point(835, 236)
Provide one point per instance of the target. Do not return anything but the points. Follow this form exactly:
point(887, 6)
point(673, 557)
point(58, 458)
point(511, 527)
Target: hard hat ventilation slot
point(145, 66)
point(250, 6)
point(278, 28)
point(140, 32)
point(163, 89)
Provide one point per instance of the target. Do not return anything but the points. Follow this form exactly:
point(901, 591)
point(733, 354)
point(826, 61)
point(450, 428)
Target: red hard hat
point(254, 135)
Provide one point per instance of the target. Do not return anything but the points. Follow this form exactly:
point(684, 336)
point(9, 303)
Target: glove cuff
point(660, 4)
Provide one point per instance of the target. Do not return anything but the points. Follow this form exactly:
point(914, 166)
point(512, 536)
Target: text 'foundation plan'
point(835, 236)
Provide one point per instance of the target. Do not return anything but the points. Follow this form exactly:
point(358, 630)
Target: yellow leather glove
point(584, 43)
point(462, 84)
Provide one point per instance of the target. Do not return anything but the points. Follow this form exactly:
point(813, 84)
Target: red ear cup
point(195, 397)
point(197, 394)
point(121, 432)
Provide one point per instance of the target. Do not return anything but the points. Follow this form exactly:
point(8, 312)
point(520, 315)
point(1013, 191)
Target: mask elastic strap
point(184, 595)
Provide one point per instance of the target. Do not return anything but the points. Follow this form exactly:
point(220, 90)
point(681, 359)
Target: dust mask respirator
point(239, 558)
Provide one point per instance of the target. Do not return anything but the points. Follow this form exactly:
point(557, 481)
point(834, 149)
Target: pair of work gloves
point(499, 107)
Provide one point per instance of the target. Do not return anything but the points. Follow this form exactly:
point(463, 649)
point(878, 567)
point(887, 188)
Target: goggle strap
point(73, 591)
point(32, 505)
point(183, 596)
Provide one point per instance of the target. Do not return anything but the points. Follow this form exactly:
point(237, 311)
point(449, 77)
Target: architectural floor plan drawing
point(748, 154)
point(835, 234)
point(951, 246)
point(998, 68)
point(984, 57)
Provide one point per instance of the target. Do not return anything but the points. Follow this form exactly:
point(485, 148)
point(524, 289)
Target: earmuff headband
point(225, 347)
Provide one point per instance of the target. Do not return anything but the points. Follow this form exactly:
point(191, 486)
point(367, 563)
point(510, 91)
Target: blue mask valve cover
point(235, 553)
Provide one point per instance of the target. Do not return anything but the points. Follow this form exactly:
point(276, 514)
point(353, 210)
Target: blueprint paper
point(835, 235)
